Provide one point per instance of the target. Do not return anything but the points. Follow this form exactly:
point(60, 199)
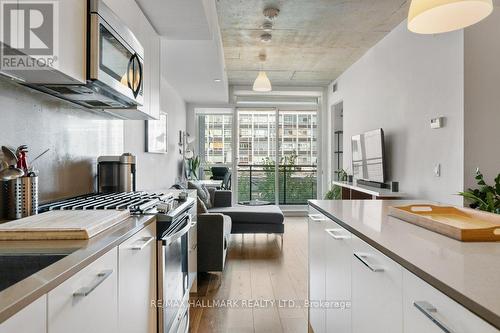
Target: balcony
point(296, 184)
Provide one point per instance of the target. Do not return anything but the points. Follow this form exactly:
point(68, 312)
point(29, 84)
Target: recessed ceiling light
point(217, 80)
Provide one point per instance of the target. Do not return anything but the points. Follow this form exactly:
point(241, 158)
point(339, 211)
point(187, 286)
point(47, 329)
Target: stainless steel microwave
point(116, 58)
point(115, 68)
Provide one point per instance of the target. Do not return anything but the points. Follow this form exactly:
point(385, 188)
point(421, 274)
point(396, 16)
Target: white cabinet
point(384, 296)
point(338, 252)
point(152, 77)
point(72, 54)
point(88, 301)
point(31, 319)
point(65, 58)
point(376, 291)
point(317, 272)
point(137, 282)
point(428, 310)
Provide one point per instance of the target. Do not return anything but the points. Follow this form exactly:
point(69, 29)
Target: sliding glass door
point(277, 156)
point(297, 167)
point(256, 155)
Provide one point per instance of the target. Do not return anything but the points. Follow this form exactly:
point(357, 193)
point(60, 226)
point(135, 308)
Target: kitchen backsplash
point(75, 138)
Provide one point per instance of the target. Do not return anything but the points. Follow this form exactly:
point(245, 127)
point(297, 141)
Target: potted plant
point(335, 193)
point(193, 166)
point(486, 197)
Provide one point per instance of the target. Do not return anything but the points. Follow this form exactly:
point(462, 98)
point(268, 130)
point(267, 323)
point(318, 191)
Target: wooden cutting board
point(463, 224)
point(62, 224)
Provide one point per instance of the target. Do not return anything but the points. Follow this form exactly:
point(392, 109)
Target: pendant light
point(262, 83)
point(437, 16)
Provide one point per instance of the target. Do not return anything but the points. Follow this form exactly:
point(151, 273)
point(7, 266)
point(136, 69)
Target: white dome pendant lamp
point(262, 83)
point(438, 16)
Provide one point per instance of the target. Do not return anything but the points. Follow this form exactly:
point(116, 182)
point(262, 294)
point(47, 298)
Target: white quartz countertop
point(469, 273)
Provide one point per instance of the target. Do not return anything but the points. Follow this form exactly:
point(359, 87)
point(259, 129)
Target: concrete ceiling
point(313, 42)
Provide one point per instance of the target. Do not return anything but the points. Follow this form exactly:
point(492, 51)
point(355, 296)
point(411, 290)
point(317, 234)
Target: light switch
point(437, 170)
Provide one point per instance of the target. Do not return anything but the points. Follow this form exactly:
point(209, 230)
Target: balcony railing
point(296, 183)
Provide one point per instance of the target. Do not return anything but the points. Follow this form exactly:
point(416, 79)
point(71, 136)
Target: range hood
point(112, 78)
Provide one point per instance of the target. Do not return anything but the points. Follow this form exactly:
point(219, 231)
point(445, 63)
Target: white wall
point(158, 171)
point(482, 99)
point(399, 85)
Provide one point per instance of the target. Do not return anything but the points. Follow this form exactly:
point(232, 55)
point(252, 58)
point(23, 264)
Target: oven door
point(114, 63)
point(173, 276)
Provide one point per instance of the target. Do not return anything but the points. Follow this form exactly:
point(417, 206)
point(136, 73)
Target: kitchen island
point(465, 273)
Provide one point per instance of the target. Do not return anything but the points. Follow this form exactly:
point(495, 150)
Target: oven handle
point(167, 240)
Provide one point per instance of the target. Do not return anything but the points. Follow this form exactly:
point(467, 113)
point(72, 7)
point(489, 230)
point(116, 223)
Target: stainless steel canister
point(21, 197)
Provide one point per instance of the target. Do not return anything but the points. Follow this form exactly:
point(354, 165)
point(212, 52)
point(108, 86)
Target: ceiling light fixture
point(217, 80)
point(262, 82)
point(267, 26)
point(266, 38)
point(437, 16)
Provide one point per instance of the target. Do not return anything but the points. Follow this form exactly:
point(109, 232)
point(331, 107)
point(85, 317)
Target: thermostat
point(437, 122)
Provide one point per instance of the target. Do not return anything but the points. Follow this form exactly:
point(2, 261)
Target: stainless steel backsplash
point(75, 138)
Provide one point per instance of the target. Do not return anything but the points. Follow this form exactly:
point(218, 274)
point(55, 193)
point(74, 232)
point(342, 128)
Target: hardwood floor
point(256, 270)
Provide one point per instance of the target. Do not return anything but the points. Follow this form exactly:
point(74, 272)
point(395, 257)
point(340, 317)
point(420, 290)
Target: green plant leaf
point(473, 197)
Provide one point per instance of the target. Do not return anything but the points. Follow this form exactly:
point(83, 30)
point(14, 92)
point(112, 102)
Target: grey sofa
point(214, 233)
point(248, 219)
point(223, 219)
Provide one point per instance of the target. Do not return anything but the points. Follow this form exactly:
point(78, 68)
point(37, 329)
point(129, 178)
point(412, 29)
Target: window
point(215, 133)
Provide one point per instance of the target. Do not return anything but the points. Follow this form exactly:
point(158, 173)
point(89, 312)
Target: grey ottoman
point(253, 219)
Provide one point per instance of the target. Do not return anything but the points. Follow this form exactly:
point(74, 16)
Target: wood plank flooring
point(257, 269)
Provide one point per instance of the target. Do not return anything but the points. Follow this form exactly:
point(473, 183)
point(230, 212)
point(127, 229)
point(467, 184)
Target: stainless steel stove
point(173, 222)
point(137, 202)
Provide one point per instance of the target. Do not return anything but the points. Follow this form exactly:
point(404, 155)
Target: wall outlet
point(437, 170)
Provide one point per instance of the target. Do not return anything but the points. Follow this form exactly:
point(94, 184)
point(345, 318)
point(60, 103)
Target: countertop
point(469, 273)
point(21, 294)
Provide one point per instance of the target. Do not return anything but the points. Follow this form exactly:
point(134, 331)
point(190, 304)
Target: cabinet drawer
point(317, 272)
point(31, 319)
point(338, 252)
point(426, 309)
point(87, 302)
point(376, 291)
point(137, 282)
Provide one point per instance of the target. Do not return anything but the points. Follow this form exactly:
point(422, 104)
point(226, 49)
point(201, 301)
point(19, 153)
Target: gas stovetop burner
point(135, 202)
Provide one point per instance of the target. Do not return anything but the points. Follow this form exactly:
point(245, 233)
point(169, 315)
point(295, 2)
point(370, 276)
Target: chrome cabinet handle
point(363, 258)
point(143, 242)
point(316, 217)
point(335, 236)
point(429, 311)
point(85, 291)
